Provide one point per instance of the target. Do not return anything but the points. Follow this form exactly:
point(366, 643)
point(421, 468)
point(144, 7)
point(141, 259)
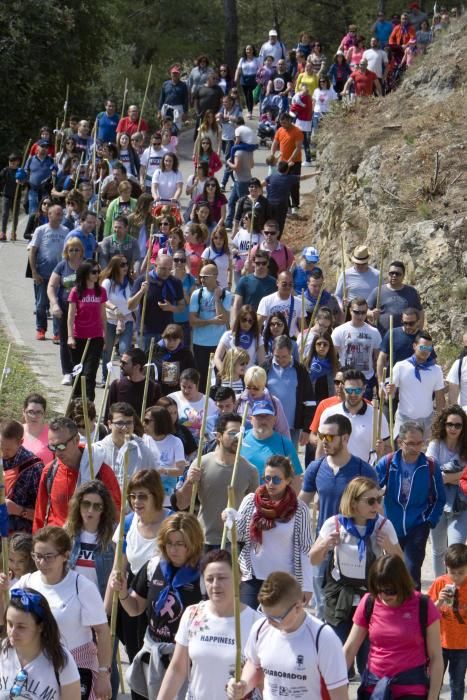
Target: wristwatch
point(104, 669)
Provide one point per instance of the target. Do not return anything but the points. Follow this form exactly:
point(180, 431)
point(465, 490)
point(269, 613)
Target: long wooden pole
point(202, 435)
point(145, 96)
point(78, 170)
point(87, 426)
point(375, 418)
point(4, 537)
point(391, 363)
point(380, 283)
point(344, 285)
point(125, 92)
point(235, 466)
point(119, 549)
point(146, 279)
point(381, 403)
point(17, 191)
point(302, 328)
point(236, 586)
point(5, 367)
point(65, 110)
point(104, 398)
point(146, 380)
point(78, 374)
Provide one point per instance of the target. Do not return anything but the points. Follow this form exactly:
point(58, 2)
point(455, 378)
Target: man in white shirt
point(273, 47)
point(360, 279)
point(282, 300)
point(457, 377)
point(377, 59)
point(417, 378)
point(358, 343)
point(290, 652)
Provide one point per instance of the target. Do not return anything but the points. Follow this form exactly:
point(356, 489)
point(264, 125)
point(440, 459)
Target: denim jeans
point(33, 201)
point(414, 546)
point(42, 302)
point(457, 660)
point(249, 592)
point(318, 594)
point(124, 343)
point(240, 189)
point(343, 630)
point(451, 529)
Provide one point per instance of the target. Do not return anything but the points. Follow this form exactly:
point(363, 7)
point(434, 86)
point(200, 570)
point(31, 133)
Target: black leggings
point(90, 364)
point(248, 92)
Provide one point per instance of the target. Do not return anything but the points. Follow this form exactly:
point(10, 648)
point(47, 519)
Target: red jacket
point(63, 488)
point(400, 35)
point(214, 164)
point(463, 482)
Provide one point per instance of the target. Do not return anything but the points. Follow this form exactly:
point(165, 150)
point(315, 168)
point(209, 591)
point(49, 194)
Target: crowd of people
point(326, 410)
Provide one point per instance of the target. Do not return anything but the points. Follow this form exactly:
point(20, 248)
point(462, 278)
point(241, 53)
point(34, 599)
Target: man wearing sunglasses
point(252, 288)
point(360, 414)
point(402, 341)
point(214, 476)
point(457, 378)
point(395, 297)
point(283, 300)
point(130, 387)
point(417, 378)
point(69, 469)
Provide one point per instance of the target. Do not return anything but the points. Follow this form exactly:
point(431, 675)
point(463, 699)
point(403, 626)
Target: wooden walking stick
point(78, 170)
point(381, 404)
point(87, 427)
point(119, 549)
point(145, 96)
point(202, 435)
point(5, 367)
point(5, 564)
point(236, 586)
point(235, 467)
point(391, 363)
point(302, 329)
point(344, 285)
point(146, 381)
point(380, 283)
point(77, 369)
point(125, 92)
point(17, 191)
point(104, 398)
point(146, 279)
point(374, 404)
point(65, 110)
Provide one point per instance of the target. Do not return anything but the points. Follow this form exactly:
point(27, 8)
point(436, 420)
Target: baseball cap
point(43, 142)
point(272, 32)
point(310, 254)
point(175, 69)
point(263, 408)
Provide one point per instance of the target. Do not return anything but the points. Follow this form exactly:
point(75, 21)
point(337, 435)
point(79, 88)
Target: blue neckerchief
point(174, 579)
point(168, 354)
point(292, 306)
point(425, 366)
point(349, 525)
point(218, 253)
point(166, 289)
point(245, 339)
point(120, 288)
point(319, 367)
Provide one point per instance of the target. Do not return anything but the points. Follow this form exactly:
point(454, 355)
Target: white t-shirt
point(119, 297)
point(347, 551)
point(151, 158)
point(167, 182)
point(241, 241)
point(416, 397)
point(356, 346)
point(228, 341)
point(453, 378)
point(166, 453)
point(211, 647)
point(377, 59)
point(322, 98)
point(41, 681)
point(222, 262)
point(249, 67)
point(290, 662)
point(291, 308)
point(190, 413)
point(361, 439)
point(139, 549)
point(85, 563)
point(76, 605)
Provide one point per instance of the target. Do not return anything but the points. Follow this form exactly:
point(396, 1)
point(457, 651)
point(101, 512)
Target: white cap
point(272, 32)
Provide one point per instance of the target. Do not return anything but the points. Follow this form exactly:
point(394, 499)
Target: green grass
point(20, 382)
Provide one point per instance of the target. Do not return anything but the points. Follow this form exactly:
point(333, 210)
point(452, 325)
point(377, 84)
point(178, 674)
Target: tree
point(230, 33)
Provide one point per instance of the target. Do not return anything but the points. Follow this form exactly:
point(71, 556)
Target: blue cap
point(43, 142)
point(263, 408)
point(310, 254)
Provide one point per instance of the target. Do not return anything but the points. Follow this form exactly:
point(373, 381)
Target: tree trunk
point(231, 34)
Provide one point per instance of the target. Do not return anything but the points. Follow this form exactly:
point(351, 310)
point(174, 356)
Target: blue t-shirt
point(279, 186)
point(89, 242)
point(258, 451)
point(383, 32)
point(205, 306)
point(107, 127)
point(321, 478)
point(282, 383)
point(187, 283)
point(301, 277)
point(407, 471)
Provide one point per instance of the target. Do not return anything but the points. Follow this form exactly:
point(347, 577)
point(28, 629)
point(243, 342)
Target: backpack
point(200, 296)
point(431, 469)
point(422, 615)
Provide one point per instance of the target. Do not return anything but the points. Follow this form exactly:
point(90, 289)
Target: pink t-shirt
point(396, 640)
point(88, 319)
point(39, 445)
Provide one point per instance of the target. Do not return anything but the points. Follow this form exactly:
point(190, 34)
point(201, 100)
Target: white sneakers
point(67, 380)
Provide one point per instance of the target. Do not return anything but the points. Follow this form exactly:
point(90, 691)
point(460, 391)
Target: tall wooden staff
point(146, 279)
point(146, 381)
point(391, 363)
point(77, 372)
point(87, 426)
point(119, 550)
point(125, 92)
point(380, 283)
point(235, 467)
point(17, 191)
point(94, 148)
point(65, 110)
point(4, 537)
point(381, 404)
point(236, 586)
point(374, 403)
point(78, 170)
point(106, 391)
point(145, 96)
point(5, 367)
point(302, 329)
point(202, 435)
point(344, 285)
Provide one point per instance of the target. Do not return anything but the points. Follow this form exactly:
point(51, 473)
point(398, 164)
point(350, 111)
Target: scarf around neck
point(174, 579)
point(267, 511)
point(349, 525)
point(319, 367)
point(424, 366)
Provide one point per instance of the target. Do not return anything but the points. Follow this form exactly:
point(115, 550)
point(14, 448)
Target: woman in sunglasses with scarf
point(357, 536)
point(33, 662)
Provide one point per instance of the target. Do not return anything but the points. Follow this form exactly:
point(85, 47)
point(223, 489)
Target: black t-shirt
point(209, 97)
point(163, 627)
point(170, 290)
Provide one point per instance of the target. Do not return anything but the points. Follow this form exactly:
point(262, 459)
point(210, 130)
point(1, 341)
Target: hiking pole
point(119, 549)
point(145, 297)
point(78, 170)
point(302, 329)
point(77, 369)
point(202, 436)
point(236, 586)
point(344, 286)
point(380, 284)
point(5, 370)
point(65, 110)
point(146, 381)
point(145, 96)
point(106, 391)
point(17, 191)
point(381, 404)
point(125, 92)
point(391, 362)
point(4, 526)
point(235, 467)
point(87, 427)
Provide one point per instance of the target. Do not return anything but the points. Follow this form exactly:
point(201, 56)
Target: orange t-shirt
point(331, 401)
point(287, 139)
point(453, 634)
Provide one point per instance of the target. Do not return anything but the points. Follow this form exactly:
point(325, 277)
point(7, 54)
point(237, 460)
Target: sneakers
point(308, 164)
point(40, 335)
point(67, 380)
point(294, 211)
point(56, 340)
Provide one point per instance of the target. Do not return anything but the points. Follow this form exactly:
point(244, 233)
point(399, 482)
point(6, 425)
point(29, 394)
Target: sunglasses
point(261, 262)
point(165, 223)
point(91, 505)
point(326, 437)
point(211, 184)
point(425, 348)
point(276, 480)
point(276, 618)
point(170, 337)
point(276, 323)
point(95, 272)
point(387, 591)
point(179, 260)
point(355, 390)
point(61, 446)
point(270, 233)
point(410, 324)
point(338, 382)
point(454, 426)
point(247, 320)
point(122, 264)
point(371, 500)
point(138, 496)
point(394, 273)
point(20, 681)
point(358, 312)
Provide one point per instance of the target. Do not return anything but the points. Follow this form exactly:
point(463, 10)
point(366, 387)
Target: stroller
point(267, 122)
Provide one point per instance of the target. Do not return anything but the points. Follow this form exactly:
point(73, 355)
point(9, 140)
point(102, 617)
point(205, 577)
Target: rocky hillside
point(394, 177)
